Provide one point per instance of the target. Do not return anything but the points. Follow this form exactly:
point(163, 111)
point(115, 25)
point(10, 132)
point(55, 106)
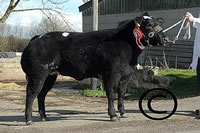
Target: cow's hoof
point(44, 119)
point(115, 119)
point(197, 112)
point(29, 123)
point(124, 115)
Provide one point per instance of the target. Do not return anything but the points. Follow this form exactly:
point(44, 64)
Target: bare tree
point(8, 42)
point(49, 24)
point(47, 7)
point(12, 44)
point(4, 29)
point(12, 7)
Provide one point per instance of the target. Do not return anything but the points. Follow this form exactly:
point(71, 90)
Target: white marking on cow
point(49, 66)
point(65, 34)
point(45, 66)
point(40, 36)
point(147, 17)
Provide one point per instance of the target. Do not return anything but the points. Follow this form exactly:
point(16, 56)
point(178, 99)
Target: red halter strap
point(138, 36)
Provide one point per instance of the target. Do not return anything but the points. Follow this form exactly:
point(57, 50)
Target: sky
point(26, 19)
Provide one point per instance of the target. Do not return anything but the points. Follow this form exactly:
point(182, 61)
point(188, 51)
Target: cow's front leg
point(111, 109)
point(121, 90)
point(110, 86)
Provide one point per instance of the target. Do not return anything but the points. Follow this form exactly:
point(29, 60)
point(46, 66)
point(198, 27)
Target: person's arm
point(191, 18)
point(196, 22)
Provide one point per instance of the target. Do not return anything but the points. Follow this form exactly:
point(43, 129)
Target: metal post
point(95, 15)
point(94, 28)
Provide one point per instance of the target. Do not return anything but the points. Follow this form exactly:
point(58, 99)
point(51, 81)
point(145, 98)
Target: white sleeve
point(196, 23)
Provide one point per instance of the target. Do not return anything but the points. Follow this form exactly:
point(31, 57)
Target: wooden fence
point(178, 55)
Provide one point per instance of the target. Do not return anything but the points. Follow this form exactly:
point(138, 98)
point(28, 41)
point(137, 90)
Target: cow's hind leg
point(34, 86)
point(48, 84)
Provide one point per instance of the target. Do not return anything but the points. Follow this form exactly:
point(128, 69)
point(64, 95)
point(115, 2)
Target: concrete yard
point(73, 113)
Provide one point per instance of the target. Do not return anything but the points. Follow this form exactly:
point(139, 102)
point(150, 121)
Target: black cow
point(108, 54)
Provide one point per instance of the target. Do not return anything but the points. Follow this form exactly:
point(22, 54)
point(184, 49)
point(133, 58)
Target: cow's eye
point(150, 25)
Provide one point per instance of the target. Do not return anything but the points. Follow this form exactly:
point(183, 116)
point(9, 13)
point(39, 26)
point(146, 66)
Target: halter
point(156, 29)
point(138, 34)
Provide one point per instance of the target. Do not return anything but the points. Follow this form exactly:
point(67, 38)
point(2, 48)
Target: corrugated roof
point(86, 6)
point(125, 6)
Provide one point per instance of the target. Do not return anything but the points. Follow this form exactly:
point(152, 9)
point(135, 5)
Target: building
point(111, 12)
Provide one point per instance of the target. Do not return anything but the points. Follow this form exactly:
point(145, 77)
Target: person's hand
point(189, 16)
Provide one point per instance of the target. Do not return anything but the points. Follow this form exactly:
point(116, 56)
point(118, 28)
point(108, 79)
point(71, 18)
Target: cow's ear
point(145, 14)
point(138, 21)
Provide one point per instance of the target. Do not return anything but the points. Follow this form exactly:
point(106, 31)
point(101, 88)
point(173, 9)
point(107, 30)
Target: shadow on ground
point(56, 115)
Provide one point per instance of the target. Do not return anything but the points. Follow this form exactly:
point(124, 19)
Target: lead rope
point(187, 28)
point(187, 34)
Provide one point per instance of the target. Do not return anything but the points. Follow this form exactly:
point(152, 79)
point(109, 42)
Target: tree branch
point(34, 9)
point(57, 3)
point(16, 3)
point(11, 6)
point(42, 9)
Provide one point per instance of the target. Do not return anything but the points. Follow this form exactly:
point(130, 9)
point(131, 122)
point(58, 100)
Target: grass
point(184, 86)
point(87, 91)
point(186, 82)
point(133, 95)
point(94, 93)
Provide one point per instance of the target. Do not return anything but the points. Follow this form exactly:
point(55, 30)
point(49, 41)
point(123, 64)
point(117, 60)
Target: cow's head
point(148, 31)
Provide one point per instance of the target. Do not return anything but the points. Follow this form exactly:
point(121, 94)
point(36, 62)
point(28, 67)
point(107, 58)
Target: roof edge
point(86, 5)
